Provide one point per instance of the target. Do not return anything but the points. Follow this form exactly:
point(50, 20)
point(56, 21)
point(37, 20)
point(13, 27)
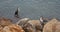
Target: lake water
point(30, 8)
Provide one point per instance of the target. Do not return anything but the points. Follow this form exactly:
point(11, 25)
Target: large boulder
point(52, 26)
point(32, 25)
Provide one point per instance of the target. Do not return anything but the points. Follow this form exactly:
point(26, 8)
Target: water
point(30, 8)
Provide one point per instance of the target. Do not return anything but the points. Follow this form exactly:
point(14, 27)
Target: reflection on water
point(30, 8)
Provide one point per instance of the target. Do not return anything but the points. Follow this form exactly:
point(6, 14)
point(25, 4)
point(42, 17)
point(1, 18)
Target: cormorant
point(16, 13)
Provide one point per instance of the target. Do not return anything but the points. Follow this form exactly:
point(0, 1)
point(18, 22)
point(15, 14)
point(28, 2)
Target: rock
point(34, 25)
point(13, 28)
point(5, 21)
point(23, 21)
point(52, 26)
point(29, 28)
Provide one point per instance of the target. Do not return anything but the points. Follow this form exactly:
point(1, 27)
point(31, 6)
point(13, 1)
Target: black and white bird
point(16, 13)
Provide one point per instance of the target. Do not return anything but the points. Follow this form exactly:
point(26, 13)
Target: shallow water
point(30, 8)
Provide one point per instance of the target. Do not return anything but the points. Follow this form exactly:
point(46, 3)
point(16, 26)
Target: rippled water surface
point(30, 8)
